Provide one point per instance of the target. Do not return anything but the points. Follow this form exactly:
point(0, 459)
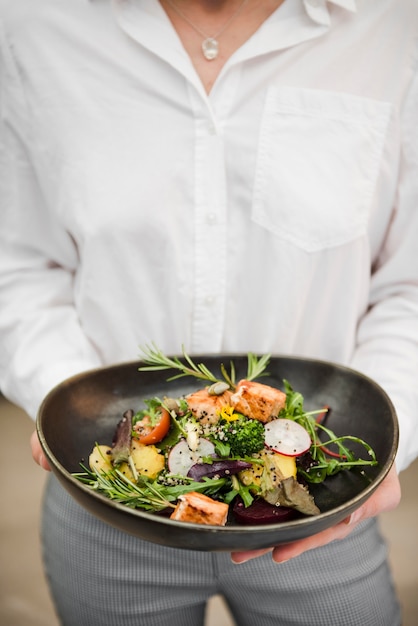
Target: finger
point(288, 551)
point(242, 557)
point(291, 550)
point(37, 452)
point(385, 498)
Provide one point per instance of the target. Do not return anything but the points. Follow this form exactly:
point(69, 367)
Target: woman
point(231, 175)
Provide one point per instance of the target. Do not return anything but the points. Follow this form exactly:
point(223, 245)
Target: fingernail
point(253, 555)
point(42, 462)
point(352, 519)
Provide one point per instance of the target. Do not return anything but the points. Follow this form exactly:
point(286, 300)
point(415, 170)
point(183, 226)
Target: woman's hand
point(37, 452)
point(385, 498)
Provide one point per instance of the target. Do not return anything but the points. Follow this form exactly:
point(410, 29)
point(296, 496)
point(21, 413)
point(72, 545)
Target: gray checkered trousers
point(100, 576)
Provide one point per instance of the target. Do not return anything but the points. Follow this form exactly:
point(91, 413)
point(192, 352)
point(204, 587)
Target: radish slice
point(287, 437)
point(181, 458)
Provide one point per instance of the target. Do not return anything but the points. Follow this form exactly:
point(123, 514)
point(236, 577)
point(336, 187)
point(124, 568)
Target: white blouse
point(277, 214)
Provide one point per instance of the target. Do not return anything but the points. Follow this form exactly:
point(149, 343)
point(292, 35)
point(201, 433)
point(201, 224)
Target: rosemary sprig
point(155, 359)
point(257, 366)
point(144, 493)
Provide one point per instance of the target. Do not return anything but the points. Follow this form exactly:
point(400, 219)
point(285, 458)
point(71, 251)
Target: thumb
point(37, 452)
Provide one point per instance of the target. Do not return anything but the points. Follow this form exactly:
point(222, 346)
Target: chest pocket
point(317, 165)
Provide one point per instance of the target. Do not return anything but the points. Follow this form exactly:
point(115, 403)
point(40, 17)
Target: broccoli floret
point(244, 436)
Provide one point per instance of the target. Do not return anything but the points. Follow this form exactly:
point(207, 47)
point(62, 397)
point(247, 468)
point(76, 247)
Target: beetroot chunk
point(261, 512)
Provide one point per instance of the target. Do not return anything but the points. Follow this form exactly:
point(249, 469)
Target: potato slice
point(126, 471)
point(100, 458)
point(251, 476)
point(148, 460)
point(285, 464)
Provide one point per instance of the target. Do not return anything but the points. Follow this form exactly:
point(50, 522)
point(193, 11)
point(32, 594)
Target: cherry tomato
point(148, 434)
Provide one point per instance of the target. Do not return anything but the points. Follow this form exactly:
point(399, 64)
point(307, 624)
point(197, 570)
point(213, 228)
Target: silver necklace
point(210, 44)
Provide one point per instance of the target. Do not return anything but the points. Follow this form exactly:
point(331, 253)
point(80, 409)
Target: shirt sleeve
point(41, 338)
point(387, 347)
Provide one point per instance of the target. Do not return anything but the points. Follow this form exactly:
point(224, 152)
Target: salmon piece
point(206, 408)
point(199, 509)
point(257, 401)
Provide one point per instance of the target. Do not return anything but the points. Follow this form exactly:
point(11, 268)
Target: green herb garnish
point(325, 462)
point(155, 359)
point(145, 493)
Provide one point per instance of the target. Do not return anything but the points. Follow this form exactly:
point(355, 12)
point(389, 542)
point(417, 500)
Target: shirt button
point(209, 300)
point(315, 3)
point(211, 219)
point(211, 129)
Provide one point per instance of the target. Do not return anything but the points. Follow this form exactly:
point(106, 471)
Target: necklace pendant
point(210, 48)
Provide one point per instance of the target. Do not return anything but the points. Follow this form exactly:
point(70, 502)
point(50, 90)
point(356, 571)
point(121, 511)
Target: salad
point(232, 450)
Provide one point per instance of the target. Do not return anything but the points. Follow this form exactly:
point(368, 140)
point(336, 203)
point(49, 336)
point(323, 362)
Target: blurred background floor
point(24, 599)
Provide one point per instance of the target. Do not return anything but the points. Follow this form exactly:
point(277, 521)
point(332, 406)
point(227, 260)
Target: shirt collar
point(318, 9)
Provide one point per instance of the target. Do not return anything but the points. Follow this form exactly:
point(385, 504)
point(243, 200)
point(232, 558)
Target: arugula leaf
point(152, 411)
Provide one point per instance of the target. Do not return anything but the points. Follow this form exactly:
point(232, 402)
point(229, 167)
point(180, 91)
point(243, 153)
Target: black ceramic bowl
point(86, 408)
